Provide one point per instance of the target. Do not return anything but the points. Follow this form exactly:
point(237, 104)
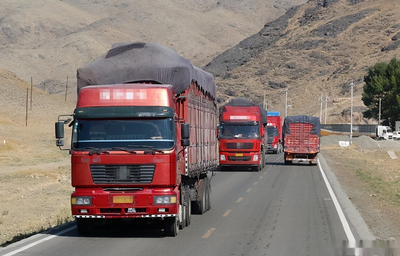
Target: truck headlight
point(164, 199)
point(222, 158)
point(255, 158)
point(81, 200)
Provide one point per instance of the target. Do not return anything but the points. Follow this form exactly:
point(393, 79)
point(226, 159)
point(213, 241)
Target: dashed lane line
point(227, 213)
point(209, 232)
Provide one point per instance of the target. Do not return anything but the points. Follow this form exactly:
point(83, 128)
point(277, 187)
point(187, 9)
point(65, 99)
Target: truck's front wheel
point(171, 226)
point(84, 227)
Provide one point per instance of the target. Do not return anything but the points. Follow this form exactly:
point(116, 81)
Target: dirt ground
point(371, 180)
point(36, 196)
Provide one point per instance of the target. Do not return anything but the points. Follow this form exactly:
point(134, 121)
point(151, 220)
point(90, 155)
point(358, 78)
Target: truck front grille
point(238, 145)
point(239, 158)
point(131, 174)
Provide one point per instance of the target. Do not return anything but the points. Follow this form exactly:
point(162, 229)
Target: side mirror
point(59, 127)
point(185, 131)
point(185, 134)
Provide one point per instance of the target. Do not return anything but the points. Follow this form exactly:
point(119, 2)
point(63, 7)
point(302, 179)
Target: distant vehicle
point(242, 135)
point(301, 138)
point(274, 126)
point(396, 135)
point(384, 132)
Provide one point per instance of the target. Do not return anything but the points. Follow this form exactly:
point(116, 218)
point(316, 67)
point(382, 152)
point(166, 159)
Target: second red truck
point(242, 135)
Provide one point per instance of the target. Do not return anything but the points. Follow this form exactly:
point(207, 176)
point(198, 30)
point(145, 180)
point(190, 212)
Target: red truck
point(242, 135)
point(144, 143)
point(274, 127)
point(301, 139)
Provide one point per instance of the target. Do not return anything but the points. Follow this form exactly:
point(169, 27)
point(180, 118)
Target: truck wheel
point(288, 162)
point(182, 224)
point(188, 211)
point(208, 197)
point(199, 207)
point(84, 226)
point(171, 226)
point(263, 160)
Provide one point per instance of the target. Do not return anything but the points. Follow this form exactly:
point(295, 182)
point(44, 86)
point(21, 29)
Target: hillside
point(314, 50)
point(49, 40)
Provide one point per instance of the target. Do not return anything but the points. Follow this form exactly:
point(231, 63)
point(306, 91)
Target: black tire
point(200, 206)
point(171, 227)
point(208, 203)
point(84, 227)
point(188, 212)
point(182, 224)
point(263, 160)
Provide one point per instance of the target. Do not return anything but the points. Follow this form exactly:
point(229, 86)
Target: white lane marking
point(209, 232)
point(39, 241)
point(339, 210)
point(255, 183)
point(248, 190)
point(261, 177)
point(227, 213)
point(239, 200)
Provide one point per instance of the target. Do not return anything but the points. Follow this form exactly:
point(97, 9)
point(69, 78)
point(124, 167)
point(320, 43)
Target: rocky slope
point(316, 49)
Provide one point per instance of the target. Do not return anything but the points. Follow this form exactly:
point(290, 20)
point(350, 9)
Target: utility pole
point(286, 92)
point(320, 112)
point(379, 115)
point(351, 113)
point(265, 106)
point(326, 106)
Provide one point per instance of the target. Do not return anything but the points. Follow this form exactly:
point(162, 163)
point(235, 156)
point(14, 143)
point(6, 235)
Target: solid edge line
point(339, 210)
point(39, 242)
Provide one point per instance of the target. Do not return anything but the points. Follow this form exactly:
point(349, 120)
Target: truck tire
point(171, 226)
point(182, 224)
point(263, 159)
point(188, 211)
point(288, 162)
point(84, 226)
point(208, 203)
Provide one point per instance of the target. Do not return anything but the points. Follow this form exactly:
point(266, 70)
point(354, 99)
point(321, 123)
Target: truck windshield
point(239, 131)
point(125, 133)
point(272, 133)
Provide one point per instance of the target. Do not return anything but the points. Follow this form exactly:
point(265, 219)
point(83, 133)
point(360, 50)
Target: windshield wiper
point(124, 149)
point(153, 150)
point(98, 151)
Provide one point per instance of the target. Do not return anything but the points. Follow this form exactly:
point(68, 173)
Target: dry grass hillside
point(49, 40)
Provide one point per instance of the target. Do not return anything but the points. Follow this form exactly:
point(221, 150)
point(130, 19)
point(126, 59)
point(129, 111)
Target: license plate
point(123, 199)
point(238, 154)
point(130, 210)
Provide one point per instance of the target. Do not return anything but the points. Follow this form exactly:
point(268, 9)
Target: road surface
point(281, 210)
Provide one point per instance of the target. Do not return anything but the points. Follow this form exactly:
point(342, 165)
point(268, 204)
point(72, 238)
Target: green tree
point(383, 82)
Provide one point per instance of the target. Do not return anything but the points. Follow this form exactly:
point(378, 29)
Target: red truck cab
point(274, 126)
point(242, 138)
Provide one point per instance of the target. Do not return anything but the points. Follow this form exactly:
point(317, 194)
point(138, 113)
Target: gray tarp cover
point(302, 119)
point(240, 102)
point(138, 62)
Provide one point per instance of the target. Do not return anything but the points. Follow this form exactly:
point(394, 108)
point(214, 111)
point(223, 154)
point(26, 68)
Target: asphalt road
point(281, 210)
